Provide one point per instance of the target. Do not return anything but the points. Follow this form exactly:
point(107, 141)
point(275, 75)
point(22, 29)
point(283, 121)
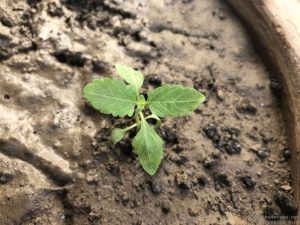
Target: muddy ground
point(226, 163)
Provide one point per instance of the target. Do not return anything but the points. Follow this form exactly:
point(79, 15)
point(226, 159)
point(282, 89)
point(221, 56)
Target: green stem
point(142, 116)
point(137, 119)
point(130, 127)
point(152, 116)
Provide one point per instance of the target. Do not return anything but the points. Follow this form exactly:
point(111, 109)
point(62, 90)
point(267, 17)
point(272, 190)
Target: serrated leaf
point(111, 96)
point(131, 76)
point(174, 100)
point(117, 134)
point(149, 147)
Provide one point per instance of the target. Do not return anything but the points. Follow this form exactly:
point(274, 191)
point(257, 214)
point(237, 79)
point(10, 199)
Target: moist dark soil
point(226, 163)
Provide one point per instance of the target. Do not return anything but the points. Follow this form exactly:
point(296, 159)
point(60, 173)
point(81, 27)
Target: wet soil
point(226, 163)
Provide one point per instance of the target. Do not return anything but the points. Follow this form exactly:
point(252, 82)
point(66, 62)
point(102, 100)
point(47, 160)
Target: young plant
point(111, 96)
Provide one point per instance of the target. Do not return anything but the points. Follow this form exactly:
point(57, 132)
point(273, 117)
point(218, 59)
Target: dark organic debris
point(5, 177)
point(154, 80)
point(224, 140)
point(232, 147)
point(202, 181)
point(221, 181)
point(211, 163)
point(247, 107)
point(155, 187)
point(6, 47)
point(275, 87)
point(211, 132)
point(248, 182)
point(70, 58)
point(165, 207)
point(232, 131)
point(169, 136)
point(54, 10)
point(99, 66)
point(286, 203)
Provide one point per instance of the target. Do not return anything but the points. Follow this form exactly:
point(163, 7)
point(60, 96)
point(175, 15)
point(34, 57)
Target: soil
point(226, 163)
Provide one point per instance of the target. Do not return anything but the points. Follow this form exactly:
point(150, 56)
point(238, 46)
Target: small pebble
point(259, 173)
point(286, 187)
point(220, 95)
point(262, 153)
point(287, 154)
point(193, 211)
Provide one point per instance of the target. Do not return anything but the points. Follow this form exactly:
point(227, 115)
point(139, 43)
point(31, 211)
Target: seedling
point(111, 96)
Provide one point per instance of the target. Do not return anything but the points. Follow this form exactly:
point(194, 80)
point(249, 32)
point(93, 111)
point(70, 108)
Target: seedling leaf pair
point(114, 97)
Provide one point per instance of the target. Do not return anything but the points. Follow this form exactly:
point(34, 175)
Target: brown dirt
point(227, 163)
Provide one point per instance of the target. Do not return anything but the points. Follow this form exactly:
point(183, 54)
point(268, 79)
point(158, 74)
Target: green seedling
point(111, 96)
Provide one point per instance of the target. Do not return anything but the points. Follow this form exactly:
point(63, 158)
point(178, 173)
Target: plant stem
point(152, 116)
point(130, 127)
point(137, 118)
point(142, 116)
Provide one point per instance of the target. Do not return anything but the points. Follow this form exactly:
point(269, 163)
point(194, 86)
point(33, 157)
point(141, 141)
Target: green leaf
point(131, 76)
point(117, 134)
point(149, 147)
point(111, 96)
point(174, 100)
